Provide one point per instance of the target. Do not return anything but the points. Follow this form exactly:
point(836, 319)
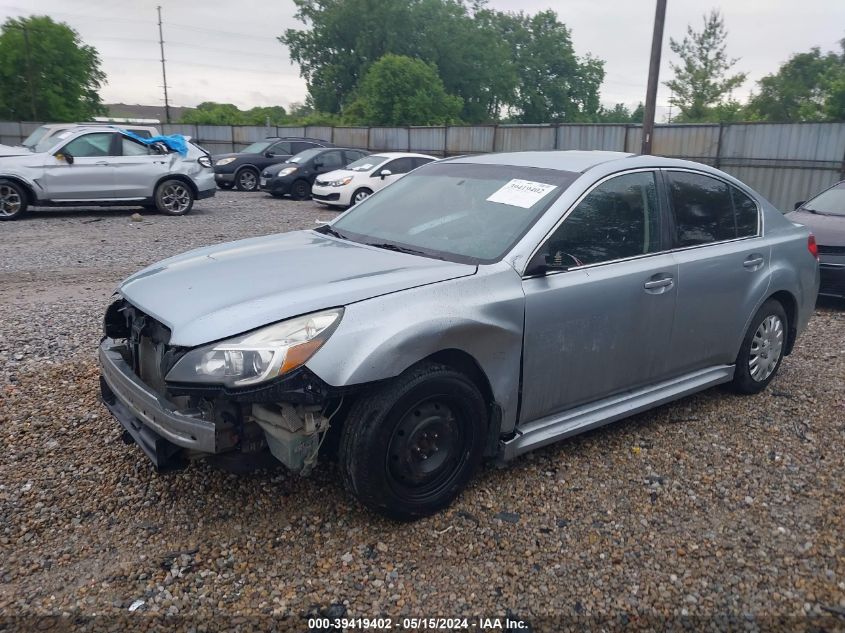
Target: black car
point(295, 176)
point(241, 169)
point(824, 215)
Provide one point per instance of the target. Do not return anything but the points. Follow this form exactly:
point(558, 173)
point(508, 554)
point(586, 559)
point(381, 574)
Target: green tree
point(47, 73)
point(344, 38)
point(399, 90)
point(808, 87)
point(212, 113)
point(701, 80)
point(554, 85)
point(620, 114)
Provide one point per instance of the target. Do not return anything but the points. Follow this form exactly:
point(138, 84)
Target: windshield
point(366, 163)
point(830, 202)
point(307, 155)
point(257, 148)
point(32, 140)
point(458, 211)
point(49, 141)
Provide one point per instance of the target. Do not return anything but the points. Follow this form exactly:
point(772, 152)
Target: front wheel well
point(790, 306)
point(30, 193)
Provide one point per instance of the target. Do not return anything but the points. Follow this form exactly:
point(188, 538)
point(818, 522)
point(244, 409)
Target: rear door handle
point(658, 284)
point(101, 163)
point(754, 261)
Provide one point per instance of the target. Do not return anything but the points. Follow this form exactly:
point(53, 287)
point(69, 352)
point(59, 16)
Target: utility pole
point(163, 69)
point(653, 72)
point(29, 79)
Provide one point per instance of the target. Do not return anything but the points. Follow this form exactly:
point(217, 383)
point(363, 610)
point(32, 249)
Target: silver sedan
point(480, 306)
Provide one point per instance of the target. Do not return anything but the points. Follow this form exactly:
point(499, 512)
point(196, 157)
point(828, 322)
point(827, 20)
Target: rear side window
point(133, 148)
point(419, 162)
point(709, 210)
point(616, 220)
point(282, 148)
point(332, 160)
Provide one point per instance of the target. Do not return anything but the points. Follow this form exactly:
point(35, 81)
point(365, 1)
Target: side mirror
point(269, 154)
point(384, 173)
point(541, 264)
point(65, 156)
point(798, 205)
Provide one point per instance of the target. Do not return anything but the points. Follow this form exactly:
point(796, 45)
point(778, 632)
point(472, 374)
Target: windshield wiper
point(394, 247)
point(328, 229)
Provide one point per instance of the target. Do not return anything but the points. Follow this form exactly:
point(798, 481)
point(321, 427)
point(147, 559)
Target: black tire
point(300, 190)
point(174, 197)
point(276, 194)
point(247, 179)
point(428, 412)
point(225, 185)
point(14, 200)
point(762, 349)
point(360, 194)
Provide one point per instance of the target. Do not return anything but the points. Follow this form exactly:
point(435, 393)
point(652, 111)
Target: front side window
point(616, 220)
point(96, 144)
point(282, 148)
point(708, 210)
point(331, 160)
point(456, 211)
point(259, 147)
point(398, 166)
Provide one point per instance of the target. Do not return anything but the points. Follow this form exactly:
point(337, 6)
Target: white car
point(358, 180)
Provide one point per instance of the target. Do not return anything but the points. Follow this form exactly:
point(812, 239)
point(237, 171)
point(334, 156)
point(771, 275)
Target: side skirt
point(595, 414)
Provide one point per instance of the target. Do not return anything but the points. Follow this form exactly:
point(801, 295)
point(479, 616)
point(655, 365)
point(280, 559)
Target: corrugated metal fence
point(785, 162)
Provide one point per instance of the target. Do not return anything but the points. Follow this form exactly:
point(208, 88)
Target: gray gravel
point(713, 505)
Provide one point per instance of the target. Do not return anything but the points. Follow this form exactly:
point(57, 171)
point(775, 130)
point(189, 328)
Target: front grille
point(146, 349)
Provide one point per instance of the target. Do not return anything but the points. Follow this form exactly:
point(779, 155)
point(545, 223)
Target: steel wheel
point(176, 198)
point(766, 348)
point(300, 190)
point(247, 180)
point(11, 201)
point(427, 450)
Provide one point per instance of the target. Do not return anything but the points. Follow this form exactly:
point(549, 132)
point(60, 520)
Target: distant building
point(127, 111)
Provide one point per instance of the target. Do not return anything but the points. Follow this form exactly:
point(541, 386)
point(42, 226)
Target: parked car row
point(302, 167)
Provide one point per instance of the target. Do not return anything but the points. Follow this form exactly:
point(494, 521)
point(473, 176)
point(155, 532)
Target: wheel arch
point(180, 177)
point(790, 306)
point(27, 187)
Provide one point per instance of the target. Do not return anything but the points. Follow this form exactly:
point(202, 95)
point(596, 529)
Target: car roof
point(299, 138)
point(402, 155)
point(561, 160)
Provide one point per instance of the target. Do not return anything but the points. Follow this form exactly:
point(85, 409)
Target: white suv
point(103, 166)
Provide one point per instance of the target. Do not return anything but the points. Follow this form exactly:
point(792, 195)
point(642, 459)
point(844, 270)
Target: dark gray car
point(480, 306)
point(824, 215)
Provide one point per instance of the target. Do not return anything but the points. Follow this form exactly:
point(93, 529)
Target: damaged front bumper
point(153, 422)
point(286, 417)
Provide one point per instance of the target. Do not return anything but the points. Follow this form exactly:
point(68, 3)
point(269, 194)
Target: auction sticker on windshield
point(521, 193)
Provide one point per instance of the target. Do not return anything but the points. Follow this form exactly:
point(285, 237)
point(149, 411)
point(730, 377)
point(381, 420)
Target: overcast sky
point(226, 50)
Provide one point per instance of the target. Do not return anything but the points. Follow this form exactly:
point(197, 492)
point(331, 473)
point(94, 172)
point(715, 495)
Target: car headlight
point(225, 161)
point(205, 161)
point(286, 171)
point(259, 355)
point(341, 182)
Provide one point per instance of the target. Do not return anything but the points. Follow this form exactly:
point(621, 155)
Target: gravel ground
point(716, 504)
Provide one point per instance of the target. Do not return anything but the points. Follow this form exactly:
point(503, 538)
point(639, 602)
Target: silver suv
point(103, 166)
point(479, 306)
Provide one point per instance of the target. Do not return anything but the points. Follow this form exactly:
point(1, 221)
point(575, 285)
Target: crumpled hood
point(219, 291)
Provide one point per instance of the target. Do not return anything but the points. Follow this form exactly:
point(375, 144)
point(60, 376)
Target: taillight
point(812, 246)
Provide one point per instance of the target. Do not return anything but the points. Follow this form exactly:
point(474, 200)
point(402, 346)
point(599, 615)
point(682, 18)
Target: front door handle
point(754, 261)
point(659, 284)
point(101, 163)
